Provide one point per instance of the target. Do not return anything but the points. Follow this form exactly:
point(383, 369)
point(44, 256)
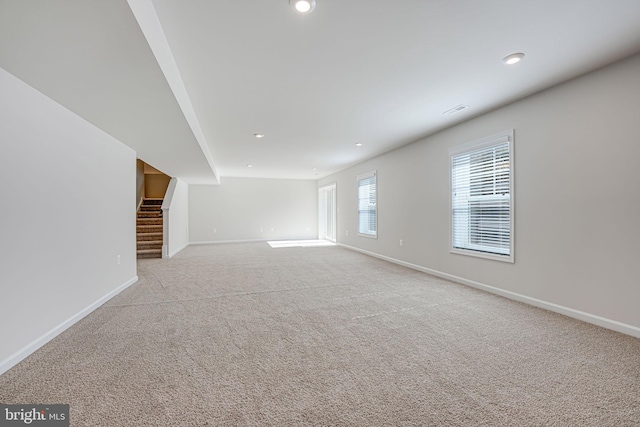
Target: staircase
point(149, 229)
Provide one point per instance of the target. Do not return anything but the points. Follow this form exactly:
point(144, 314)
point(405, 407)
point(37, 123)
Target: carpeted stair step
point(142, 237)
point(149, 244)
point(149, 221)
point(149, 253)
point(152, 202)
point(156, 228)
point(155, 208)
point(149, 214)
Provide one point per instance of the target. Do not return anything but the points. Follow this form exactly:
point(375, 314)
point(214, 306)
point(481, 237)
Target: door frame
point(324, 215)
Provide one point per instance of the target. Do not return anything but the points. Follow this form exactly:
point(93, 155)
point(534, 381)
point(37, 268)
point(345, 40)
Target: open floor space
point(245, 334)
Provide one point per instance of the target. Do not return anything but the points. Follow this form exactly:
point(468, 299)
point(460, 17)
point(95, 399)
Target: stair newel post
point(165, 231)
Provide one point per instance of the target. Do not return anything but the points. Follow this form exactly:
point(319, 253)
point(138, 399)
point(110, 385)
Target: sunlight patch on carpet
point(299, 243)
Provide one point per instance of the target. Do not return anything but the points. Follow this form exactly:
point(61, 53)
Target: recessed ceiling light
point(249, 166)
point(258, 135)
point(359, 144)
point(303, 6)
point(314, 169)
point(514, 58)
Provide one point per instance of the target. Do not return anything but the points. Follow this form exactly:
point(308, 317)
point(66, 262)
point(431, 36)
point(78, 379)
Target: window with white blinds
point(482, 197)
point(367, 205)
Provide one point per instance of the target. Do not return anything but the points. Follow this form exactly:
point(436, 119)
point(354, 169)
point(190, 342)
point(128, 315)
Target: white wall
point(175, 210)
point(139, 182)
point(253, 209)
point(577, 198)
point(66, 213)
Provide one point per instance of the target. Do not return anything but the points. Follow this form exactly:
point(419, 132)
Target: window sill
point(368, 236)
point(503, 258)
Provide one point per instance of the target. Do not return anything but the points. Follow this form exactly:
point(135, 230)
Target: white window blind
point(367, 205)
point(481, 197)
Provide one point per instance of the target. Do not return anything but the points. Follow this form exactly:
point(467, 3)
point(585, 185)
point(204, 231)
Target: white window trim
point(504, 136)
point(358, 179)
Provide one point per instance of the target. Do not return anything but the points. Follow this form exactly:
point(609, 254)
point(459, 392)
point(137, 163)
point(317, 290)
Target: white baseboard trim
point(23, 353)
point(175, 251)
point(570, 312)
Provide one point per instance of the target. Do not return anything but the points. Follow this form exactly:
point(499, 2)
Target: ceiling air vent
point(455, 110)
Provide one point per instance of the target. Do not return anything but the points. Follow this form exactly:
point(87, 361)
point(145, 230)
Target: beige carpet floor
point(243, 334)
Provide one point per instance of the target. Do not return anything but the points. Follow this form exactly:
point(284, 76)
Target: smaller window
point(367, 205)
point(482, 197)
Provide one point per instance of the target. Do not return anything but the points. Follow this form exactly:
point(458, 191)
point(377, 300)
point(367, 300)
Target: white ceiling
point(380, 72)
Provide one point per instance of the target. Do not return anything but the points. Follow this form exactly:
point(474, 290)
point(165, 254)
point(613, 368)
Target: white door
point(327, 213)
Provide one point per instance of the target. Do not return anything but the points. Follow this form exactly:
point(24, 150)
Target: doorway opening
point(151, 186)
point(327, 205)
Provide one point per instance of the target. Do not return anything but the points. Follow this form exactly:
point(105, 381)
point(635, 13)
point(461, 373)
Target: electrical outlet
point(346, 232)
point(401, 242)
point(261, 229)
point(272, 229)
point(215, 231)
point(118, 260)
